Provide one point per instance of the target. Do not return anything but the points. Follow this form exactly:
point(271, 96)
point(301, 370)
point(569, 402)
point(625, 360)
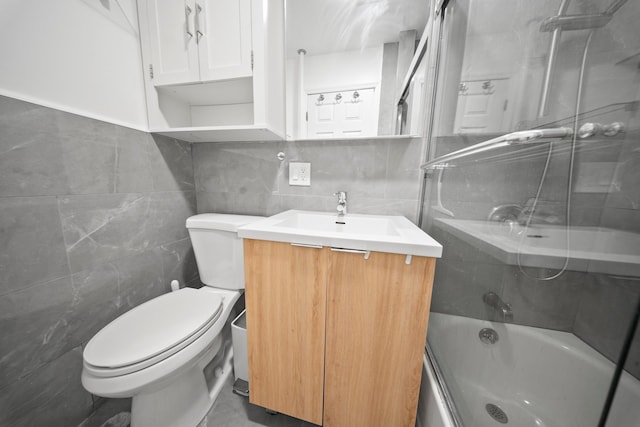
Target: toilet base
point(182, 403)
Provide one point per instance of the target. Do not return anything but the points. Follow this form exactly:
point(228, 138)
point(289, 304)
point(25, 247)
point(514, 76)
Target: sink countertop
point(376, 233)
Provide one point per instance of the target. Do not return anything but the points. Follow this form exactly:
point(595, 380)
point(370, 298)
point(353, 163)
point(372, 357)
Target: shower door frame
point(433, 55)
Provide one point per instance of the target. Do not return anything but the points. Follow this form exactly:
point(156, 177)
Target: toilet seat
point(151, 332)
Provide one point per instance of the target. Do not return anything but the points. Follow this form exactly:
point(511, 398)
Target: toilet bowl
point(157, 353)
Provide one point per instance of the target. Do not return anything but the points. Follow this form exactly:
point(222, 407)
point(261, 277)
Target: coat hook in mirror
point(487, 87)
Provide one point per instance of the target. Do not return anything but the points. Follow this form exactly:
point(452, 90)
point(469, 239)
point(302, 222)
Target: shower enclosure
point(532, 185)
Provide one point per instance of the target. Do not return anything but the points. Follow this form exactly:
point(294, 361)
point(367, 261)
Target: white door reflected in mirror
point(342, 114)
point(482, 106)
point(338, 46)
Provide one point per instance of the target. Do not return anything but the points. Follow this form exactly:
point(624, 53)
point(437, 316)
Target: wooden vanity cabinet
point(334, 338)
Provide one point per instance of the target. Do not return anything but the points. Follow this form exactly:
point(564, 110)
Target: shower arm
point(553, 53)
point(533, 136)
point(614, 6)
point(563, 22)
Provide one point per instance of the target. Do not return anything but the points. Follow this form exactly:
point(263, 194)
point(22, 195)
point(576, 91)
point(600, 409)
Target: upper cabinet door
point(172, 41)
point(224, 38)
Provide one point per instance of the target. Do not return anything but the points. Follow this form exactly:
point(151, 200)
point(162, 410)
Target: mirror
point(515, 65)
point(347, 62)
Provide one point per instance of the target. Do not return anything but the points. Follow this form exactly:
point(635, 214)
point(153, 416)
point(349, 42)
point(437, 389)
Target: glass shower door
point(533, 188)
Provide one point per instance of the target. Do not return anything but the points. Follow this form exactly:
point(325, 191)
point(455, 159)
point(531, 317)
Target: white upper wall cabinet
point(198, 41)
point(214, 70)
point(223, 33)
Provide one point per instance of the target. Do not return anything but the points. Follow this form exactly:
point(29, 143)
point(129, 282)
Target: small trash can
point(240, 355)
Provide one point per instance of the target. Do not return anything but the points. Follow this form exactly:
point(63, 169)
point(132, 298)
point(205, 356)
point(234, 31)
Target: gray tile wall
point(381, 176)
point(604, 317)
point(606, 307)
point(91, 224)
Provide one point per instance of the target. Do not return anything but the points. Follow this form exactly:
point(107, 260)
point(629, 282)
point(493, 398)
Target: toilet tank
point(218, 249)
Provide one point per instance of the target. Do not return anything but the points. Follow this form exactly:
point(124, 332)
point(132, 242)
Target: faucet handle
point(342, 196)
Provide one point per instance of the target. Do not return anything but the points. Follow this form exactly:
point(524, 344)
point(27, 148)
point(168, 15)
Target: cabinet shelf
point(246, 133)
point(223, 92)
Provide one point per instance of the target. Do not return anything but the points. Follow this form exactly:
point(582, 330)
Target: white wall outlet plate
point(300, 173)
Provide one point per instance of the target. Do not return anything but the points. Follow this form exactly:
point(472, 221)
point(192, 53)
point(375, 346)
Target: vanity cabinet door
point(285, 299)
point(377, 314)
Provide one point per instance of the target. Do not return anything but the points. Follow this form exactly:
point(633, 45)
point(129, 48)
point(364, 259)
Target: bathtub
point(535, 377)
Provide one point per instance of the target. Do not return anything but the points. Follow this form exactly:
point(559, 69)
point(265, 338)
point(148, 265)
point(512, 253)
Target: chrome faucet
point(492, 300)
point(342, 203)
point(505, 213)
point(532, 212)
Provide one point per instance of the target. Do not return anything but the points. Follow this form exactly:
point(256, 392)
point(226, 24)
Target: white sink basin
point(323, 222)
point(379, 233)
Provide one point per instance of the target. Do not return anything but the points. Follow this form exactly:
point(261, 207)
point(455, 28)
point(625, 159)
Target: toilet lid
point(152, 328)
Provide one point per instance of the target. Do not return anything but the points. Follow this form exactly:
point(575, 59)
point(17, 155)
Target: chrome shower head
point(581, 22)
point(575, 22)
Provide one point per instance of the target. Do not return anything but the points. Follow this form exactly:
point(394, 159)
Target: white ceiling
point(324, 26)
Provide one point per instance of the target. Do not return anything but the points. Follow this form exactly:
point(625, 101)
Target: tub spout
point(492, 300)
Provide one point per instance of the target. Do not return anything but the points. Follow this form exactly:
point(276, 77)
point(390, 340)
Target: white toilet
point(158, 351)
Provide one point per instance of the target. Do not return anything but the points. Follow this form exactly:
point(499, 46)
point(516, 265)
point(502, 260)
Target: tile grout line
point(64, 239)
